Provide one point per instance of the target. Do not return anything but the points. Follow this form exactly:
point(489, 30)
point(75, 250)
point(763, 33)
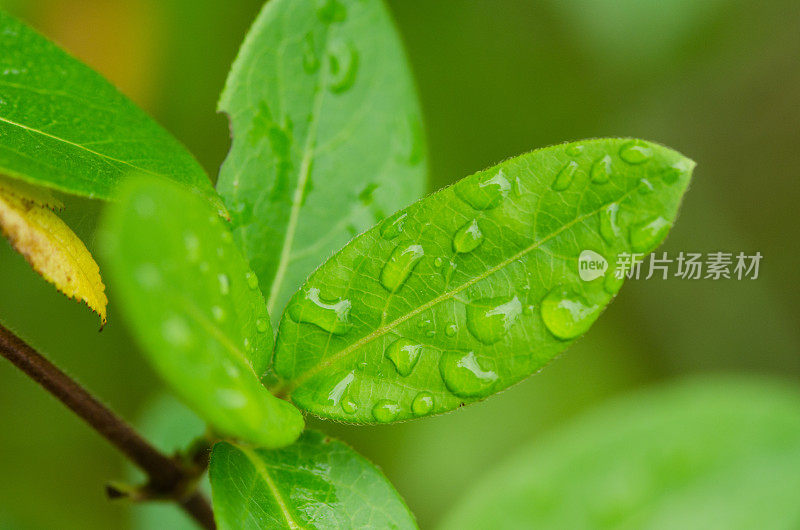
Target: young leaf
point(707, 453)
point(476, 286)
point(65, 127)
point(315, 483)
point(48, 244)
point(195, 307)
point(327, 135)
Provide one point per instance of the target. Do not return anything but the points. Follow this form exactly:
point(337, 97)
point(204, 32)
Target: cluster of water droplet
point(566, 310)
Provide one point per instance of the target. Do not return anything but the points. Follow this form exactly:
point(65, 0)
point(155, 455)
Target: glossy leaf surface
point(707, 453)
point(316, 483)
point(327, 135)
point(195, 307)
point(476, 286)
point(65, 127)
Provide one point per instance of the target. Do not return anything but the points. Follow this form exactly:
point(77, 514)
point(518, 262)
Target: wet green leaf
point(194, 306)
point(479, 282)
point(705, 453)
point(316, 483)
point(65, 127)
point(327, 135)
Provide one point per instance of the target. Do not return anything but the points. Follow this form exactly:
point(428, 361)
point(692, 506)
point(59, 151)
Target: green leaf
point(195, 308)
point(316, 483)
point(327, 135)
point(476, 286)
point(707, 453)
point(65, 127)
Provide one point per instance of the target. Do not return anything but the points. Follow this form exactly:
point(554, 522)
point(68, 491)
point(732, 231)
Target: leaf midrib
point(263, 472)
point(302, 180)
point(78, 146)
point(382, 330)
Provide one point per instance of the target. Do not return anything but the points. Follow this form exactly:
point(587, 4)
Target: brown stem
point(166, 476)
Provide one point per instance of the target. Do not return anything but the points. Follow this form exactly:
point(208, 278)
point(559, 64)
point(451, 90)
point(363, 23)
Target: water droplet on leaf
point(608, 223)
point(466, 375)
point(393, 226)
point(218, 312)
point(485, 191)
point(252, 280)
point(404, 354)
point(646, 236)
point(468, 237)
point(333, 317)
point(565, 176)
point(635, 152)
point(342, 65)
point(261, 325)
point(400, 265)
point(422, 404)
point(574, 149)
point(601, 170)
point(224, 284)
point(567, 314)
point(385, 410)
point(490, 319)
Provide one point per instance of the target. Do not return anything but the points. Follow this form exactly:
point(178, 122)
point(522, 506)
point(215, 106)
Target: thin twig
point(166, 476)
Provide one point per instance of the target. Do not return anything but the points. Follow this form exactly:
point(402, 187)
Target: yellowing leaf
point(52, 249)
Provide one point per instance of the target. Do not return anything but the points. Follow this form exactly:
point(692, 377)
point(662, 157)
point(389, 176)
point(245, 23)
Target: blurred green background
point(718, 80)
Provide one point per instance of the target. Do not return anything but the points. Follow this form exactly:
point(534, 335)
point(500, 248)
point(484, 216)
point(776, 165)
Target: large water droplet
point(342, 65)
point(468, 237)
point(484, 192)
point(489, 319)
point(385, 410)
point(466, 375)
point(601, 170)
point(565, 176)
point(635, 152)
point(646, 236)
point(393, 226)
point(404, 354)
point(422, 404)
point(252, 279)
point(333, 317)
point(400, 265)
point(451, 330)
point(567, 314)
point(608, 223)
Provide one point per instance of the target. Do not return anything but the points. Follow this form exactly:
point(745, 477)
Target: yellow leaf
point(52, 249)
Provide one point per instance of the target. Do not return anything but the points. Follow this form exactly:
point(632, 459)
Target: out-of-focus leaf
point(706, 453)
point(315, 483)
point(63, 126)
point(195, 307)
point(49, 245)
point(478, 285)
point(327, 135)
